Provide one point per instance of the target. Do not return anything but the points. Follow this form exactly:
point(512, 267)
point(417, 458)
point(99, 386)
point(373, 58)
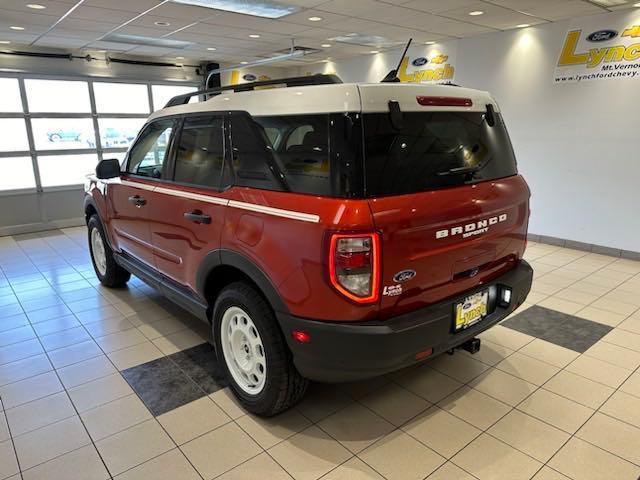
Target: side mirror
point(108, 168)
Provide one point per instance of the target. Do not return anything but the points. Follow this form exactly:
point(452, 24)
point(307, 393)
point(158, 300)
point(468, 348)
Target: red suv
point(326, 231)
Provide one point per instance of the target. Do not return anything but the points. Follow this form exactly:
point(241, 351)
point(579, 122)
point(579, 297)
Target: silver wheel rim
point(98, 252)
point(243, 350)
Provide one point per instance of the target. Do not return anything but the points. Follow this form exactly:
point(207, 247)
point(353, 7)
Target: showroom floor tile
point(98, 384)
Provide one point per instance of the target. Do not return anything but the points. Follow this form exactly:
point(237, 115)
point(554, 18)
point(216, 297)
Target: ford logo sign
point(404, 276)
point(418, 62)
point(249, 77)
point(602, 35)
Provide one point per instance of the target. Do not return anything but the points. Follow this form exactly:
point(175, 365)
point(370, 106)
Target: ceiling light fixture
point(375, 41)
point(212, 49)
point(315, 19)
point(254, 35)
point(179, 58)
point(523, 25)
point(16, 28)
point(4, 42)
point(430, 43)
point(637, 4)
point(326, 45)
point(374, 51)
point(475, 13)
point(244, 63)
point(256, 8)
point(36, 6)
point(161, 24)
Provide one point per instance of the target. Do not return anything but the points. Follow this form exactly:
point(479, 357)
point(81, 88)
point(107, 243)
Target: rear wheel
point(107, 270)
point(250, 346)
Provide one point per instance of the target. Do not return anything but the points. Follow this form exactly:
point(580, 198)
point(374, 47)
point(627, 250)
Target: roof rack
point(317, 79)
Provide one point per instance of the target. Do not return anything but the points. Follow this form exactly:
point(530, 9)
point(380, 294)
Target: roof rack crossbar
point(318, 79)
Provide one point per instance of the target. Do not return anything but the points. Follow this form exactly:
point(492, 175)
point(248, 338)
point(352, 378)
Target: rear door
point(133, 196)
point(445, 194)
point(187, 220)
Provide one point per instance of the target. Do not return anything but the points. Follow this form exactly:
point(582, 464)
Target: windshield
point(433, 150)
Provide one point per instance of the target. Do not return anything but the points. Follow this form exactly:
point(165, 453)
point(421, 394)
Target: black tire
point(115, 275)
point(284, 386)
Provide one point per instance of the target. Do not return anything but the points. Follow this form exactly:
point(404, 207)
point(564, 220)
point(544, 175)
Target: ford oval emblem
point(602, 35)
point(249, 77)
point(404, 276)
point(418, 62)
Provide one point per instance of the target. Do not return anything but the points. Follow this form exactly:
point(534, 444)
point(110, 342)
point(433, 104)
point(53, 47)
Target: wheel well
point(222, 276)
point(89, 211)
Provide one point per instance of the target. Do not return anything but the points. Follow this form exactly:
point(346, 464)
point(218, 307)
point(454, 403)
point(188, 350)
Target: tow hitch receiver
point(472, 346)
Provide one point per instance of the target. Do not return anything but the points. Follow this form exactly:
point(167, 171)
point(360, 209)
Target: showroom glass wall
point(54, 130)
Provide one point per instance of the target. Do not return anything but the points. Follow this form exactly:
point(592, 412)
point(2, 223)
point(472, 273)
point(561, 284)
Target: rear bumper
point(340, 352)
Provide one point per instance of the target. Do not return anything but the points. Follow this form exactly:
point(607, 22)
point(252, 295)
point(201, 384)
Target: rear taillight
point(354, 266)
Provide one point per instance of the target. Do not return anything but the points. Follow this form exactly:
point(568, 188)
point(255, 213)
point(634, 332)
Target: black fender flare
point(222, 257)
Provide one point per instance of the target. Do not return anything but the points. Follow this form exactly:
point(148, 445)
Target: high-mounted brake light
point(354, 266)
point(444, 101)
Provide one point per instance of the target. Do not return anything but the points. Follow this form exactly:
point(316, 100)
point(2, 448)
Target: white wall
point(577, 144)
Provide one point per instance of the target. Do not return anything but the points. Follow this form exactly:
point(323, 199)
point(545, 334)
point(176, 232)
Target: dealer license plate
point(471, 310)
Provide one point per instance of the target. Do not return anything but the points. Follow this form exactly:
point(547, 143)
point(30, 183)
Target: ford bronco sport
point(326, 231)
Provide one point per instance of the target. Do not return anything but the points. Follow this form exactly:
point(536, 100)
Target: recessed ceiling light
point(254, 35)
point(636, 4)
point(243, 63)
point(430, 43)
point(374, 51)
point(523, 25)
point(475, 13)
point(36, 6)
point(256, 8)
point(325, 45)
point(315, 19)
point(212, 49)
point(4, 42)
point(179, 58)
point(161, 24)
point(16, 28)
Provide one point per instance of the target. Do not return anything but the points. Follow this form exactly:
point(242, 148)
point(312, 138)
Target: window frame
point(99, 150)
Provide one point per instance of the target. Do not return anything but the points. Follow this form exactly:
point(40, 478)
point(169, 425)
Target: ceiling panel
point(396, 20)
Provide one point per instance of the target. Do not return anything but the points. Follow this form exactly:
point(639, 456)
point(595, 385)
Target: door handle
point(137, 200)
point(197, 217)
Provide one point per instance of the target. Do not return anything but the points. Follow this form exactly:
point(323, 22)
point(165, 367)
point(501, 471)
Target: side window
point(150, 151)
point(253, 155)
point(200, 152)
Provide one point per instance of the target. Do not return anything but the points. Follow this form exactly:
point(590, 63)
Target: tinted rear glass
point(433, 150)
point(312, 154)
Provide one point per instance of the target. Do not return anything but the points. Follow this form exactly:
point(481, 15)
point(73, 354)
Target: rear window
point(433, 150)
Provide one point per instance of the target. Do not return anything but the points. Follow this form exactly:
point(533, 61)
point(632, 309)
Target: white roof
point(332, 98)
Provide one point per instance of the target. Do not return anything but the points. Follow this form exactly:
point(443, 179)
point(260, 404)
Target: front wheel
point(107, 270)
point(254, 354)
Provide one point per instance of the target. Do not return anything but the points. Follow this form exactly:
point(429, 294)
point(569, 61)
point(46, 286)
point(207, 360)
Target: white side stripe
point(192, 196)
point(305, 217)
point(142, 186)
point(277, 212)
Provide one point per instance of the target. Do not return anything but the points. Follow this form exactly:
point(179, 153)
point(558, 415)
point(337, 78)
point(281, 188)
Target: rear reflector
point(300, 336)
point(424, 354)
point(444, 101)
point(354, 266)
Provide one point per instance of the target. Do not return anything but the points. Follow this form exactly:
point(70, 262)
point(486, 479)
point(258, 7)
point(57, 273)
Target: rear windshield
point(427, 151)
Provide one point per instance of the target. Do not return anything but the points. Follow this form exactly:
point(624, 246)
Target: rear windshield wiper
point(460, 171)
